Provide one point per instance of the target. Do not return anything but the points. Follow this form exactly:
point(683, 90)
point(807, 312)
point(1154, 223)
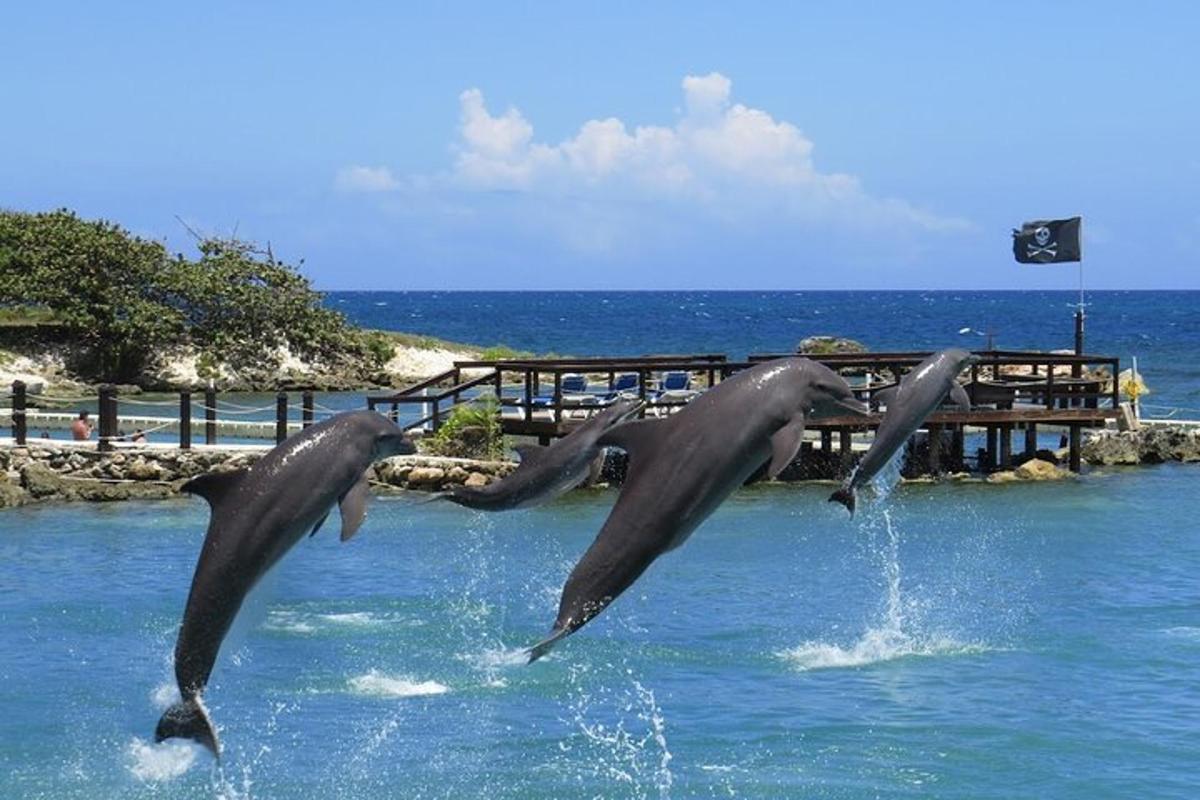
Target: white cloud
point(366, 179)
point(724, 155)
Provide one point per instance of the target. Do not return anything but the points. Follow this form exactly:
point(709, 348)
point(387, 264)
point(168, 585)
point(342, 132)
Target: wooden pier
point(1011, 391)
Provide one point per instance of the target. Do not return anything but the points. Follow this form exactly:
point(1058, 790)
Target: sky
point(621, 145)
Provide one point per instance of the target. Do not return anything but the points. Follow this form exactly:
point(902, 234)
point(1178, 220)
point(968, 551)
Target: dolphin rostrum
point(682, 468)
point(547, 472)
point(257, 515)
point(908, 404)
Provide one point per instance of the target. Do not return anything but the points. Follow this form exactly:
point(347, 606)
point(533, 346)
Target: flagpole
point(1079, 309)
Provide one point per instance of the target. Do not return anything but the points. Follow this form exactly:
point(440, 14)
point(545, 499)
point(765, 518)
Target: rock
point(425, 476)
point(1004, 476)
point(1104, 448)
point(825, 345)
point(12, 495)
point(141, 470)
point(1038, 470)
point(457, 474)
point(476, 480)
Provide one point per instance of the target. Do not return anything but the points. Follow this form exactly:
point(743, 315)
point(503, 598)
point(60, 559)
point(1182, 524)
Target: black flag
point(1047, 241)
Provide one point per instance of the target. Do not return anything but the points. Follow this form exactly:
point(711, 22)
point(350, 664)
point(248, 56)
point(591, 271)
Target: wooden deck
point(1011, 390)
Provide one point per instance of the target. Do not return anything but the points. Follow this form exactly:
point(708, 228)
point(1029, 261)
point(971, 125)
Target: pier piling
point(108, 417)
point(306, 409)
point(210, 415)
point(18, 412)
point(185, 420)
point(281, 417)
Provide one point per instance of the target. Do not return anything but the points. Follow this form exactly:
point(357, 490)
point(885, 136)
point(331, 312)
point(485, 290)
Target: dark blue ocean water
point(1161, 328)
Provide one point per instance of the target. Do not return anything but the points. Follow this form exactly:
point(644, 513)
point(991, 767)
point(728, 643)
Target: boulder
point(825, 345)
point(426, 476)
point(1105, 448)
point(1003, 476)
point(142, 470)
point(476, 480)
point(457, 474)
point(1037, 470)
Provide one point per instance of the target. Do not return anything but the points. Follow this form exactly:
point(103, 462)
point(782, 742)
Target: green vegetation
point(502, 353)
point(471, 431)
point(126, 299)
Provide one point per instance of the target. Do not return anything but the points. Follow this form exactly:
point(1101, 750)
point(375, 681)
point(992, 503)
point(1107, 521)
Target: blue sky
point(622, 145)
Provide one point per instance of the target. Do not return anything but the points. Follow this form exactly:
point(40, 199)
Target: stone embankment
point(64, 473)
point(1152, 444)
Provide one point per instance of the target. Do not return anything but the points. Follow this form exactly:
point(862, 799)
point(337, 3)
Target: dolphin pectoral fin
point(632, 436)
point(785, 444)
point(353, 506)
point(188, 720)
point(214, 486)
point(317, 527)
point(959, 396)
point(595, 469)
point(546, 645)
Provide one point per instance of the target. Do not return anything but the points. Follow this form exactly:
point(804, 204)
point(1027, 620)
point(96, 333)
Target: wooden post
point(1076, 460)
point(935, 449)
point(827, 440)
point(974, 382)
point(957, 445)
point(498, 382)
point(281, 417)
point(457, 381)
point(991, 449)
point(306, 408)
point(557, 397)
point(528, 395)
point(185, 420)
point(1049, 386)
point(643, 376)
point(18, 412)
point(108, 417)
point(1030, 439)
point(1006, 446)
point(210, 415)
point(437, 414)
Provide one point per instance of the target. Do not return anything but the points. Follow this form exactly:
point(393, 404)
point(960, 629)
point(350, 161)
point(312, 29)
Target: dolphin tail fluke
point(845, 496)
point(546, 645)
point(188, 720)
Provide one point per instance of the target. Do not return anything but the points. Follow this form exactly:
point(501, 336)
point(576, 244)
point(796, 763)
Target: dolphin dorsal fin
point(630, 436)
point(353, 506)
point(214, 486)
point(785, 444)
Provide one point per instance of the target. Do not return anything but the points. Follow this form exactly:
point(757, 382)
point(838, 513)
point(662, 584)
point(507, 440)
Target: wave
point(160, 762)
point(1183, 632)
point(305, 622)
point(377, 684)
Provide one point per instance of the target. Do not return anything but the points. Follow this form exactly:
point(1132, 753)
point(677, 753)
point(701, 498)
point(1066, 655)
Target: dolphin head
point(961, 357)
point(829, 395)
point(390, 440)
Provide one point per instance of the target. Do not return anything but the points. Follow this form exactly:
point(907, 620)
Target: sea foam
point(160, 762)
point(376, 684)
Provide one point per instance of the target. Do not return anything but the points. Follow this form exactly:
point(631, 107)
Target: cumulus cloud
point(720, 169)
point(365, 179)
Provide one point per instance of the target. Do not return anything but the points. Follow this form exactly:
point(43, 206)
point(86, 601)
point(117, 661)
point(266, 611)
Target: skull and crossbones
point(1044, 245)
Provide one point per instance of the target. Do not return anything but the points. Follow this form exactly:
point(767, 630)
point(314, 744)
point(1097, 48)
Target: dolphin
point(682, 467)
point(547, 472)
point(257, 515)
point(908, 403)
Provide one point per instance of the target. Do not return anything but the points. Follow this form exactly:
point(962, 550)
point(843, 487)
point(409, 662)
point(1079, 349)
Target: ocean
point(950, 641)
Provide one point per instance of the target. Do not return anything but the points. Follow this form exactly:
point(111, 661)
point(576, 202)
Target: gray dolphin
point(908, 403)
point(682, 468)
point(257, 515)
point(547, 472)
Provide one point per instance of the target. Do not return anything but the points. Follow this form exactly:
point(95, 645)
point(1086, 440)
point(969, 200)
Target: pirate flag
point(1047, 241)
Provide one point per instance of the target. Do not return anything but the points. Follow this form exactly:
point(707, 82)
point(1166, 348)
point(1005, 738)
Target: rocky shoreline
point(61, 472)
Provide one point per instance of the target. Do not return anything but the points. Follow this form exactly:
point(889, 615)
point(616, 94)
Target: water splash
point(898, 634)
point(377, 684)
point(156, 763)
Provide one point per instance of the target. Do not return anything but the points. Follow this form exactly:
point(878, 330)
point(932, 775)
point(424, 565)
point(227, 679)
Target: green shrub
point(472, 430)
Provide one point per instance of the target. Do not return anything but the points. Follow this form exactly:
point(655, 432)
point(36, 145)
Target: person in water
point(81, 428)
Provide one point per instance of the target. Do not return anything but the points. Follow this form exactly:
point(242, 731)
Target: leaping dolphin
point(682, 468)
point(908, 404)
point(547, 472)
point(257, 515)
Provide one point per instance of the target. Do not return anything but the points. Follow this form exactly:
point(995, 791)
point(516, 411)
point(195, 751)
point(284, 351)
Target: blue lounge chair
point(625, 386)
point(675, 389)
point(574, 392)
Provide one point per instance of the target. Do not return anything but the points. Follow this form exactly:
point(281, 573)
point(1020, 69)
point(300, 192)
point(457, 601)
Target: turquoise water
point(972, 641)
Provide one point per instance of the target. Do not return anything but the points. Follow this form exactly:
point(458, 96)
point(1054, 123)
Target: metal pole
point(18, 411)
